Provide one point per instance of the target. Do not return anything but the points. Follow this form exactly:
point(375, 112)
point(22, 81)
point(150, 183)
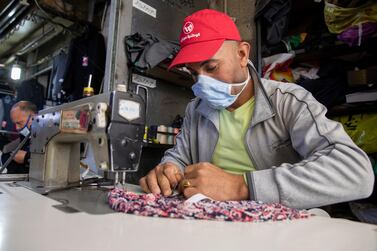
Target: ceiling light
point(15, 72)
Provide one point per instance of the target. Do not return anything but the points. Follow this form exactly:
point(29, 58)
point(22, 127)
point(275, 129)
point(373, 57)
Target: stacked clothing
point(330, 86)
point(353, 20)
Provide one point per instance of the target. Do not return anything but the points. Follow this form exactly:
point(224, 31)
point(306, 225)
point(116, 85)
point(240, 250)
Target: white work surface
point(29, 222)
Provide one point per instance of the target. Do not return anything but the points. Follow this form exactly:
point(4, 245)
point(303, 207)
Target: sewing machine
point(112, 123)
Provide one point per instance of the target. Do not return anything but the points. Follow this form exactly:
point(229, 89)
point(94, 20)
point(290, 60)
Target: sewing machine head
point(112, 123)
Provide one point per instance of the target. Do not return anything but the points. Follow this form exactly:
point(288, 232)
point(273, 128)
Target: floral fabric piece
point(207, 209)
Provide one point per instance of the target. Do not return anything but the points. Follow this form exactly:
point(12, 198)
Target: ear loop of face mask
point(244, 83)
point(25, 126)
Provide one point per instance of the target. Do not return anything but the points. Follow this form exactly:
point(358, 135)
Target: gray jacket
point(302, 159)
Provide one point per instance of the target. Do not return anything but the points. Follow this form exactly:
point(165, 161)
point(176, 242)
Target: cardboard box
point(362, 77)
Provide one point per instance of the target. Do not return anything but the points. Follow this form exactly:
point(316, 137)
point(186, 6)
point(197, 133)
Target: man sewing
point(246, 138)
point(21, 115)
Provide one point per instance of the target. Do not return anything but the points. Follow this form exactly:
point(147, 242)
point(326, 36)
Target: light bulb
point(15, 72)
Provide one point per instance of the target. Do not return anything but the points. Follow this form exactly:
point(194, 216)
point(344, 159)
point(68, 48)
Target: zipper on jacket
point(217, 140)
point(249, 150)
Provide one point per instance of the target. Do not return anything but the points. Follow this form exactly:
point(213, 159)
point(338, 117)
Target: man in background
point(21, 114)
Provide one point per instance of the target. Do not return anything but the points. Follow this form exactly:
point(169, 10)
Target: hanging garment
point(1, 111)
point(146, 51)
point(8, 102)
point(31, 90)
point(205, 209)
point(87, 55)
point(275, 16)
point(58, 73)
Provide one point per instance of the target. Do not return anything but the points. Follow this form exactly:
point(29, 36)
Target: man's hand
point(162, 179)
point(20, 157)
point(214, 182)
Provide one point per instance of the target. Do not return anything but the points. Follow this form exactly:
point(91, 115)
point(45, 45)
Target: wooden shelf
point(173, 76)
point(354, 108)
point(152, 145)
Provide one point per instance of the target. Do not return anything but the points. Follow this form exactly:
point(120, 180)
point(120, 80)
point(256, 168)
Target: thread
point(170, 135)
point(162, 137)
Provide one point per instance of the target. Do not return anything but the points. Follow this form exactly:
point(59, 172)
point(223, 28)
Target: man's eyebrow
point(208, 61)
point(201, 64)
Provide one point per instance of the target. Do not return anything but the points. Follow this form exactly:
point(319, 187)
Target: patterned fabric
point(177, 207)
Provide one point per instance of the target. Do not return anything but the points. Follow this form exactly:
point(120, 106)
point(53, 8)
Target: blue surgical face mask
point(25, 130)
point(216, 93)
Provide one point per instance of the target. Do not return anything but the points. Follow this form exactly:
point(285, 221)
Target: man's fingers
point(170, 172)
point(186, 184)
point(179, 177)
point(191, 171)
point(164, 184)
point(152, 182)
point(143, 185)
point(190, 191)
point(163, 181)
point(190, 168)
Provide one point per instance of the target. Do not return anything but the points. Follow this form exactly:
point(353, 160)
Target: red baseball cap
point(202, 35)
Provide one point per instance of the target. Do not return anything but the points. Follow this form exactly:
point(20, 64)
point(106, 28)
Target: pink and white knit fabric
point(177, 207)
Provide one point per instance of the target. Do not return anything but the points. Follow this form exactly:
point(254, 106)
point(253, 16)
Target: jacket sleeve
point(180, 154)
point(27, 159)
point(333, 168)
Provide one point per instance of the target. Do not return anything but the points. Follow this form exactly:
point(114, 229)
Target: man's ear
point(243, 53)
point(31, 118)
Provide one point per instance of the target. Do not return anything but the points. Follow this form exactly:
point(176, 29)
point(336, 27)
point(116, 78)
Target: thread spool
point(89, 91)
point(152, 134)
point(162, 137)
point(145, 136)
point(170, 135)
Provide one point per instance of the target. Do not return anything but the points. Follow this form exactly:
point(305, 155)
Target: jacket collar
point(263, 109)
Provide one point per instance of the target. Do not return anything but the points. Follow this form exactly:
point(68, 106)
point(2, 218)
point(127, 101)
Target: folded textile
point(329, 89)
point(146, 51)
point(338, 19)
point(356, 34)
point(276, 67)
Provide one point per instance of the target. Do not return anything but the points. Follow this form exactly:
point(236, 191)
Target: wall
point(243, 12)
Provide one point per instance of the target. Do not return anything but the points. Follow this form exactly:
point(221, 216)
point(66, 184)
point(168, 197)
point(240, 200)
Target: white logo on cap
point(188, 27)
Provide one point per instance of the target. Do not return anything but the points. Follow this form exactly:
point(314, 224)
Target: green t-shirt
point(230, 153)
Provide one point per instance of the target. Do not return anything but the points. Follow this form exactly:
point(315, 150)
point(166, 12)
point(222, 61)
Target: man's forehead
point(17, 112)
point(202, 63)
